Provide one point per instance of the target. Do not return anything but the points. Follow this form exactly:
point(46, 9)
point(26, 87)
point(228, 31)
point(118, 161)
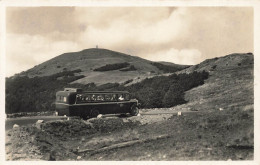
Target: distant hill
point(231, 61)
point(89, 60)
point(230, 85)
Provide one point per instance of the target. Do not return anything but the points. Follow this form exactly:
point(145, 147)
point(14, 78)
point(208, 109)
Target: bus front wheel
point(94, 113)
point(134, 111)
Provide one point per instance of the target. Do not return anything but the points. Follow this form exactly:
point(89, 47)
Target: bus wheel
point(94, 113)
point(134, 111)
point(85, 117)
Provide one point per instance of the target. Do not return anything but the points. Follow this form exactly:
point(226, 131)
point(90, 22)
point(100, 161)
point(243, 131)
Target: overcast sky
point(179, 35)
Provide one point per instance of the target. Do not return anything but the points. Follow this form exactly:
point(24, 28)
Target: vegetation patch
point(110, 67)
point(36, 94)
point(167, 68)
point(166, 91)
point(130, 68)
point(24, 94)
point(156, 92)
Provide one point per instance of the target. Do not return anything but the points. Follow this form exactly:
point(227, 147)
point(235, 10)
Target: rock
point(179, 114)
point(16, 126)
point(99, 116)
point(79, 157)
point(38, 124)
point(139, 114)
point(221, 109)
point(39, 121)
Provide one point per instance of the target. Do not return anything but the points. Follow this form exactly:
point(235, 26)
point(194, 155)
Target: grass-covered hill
point(221, 90)
point(101, 66)
point(223, 82)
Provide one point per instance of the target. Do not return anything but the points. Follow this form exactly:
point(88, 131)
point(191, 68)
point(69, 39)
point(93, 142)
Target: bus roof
point(105, 92)
point(66, 92)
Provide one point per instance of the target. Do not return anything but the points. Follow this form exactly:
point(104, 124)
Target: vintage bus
point(75, 102)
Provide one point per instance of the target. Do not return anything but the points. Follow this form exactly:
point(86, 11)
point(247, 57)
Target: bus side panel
point(107, 108)
point(80, 110)
point(85, 110)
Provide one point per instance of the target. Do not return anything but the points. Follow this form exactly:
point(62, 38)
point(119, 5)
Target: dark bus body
point(75, 102)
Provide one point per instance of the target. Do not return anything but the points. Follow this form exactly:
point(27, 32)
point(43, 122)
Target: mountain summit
point(101, 66)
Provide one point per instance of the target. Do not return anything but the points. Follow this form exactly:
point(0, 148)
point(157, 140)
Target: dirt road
point(23, 121)
point(157, 134)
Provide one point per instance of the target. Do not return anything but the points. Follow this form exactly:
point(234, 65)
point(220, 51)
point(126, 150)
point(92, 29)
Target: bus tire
point(84, 117)
point(94, 113)
point(134, 110)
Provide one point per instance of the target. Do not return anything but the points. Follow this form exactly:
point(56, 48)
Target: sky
point(182, 35)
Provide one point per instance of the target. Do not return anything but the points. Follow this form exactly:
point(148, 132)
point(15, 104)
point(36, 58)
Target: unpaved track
point(22, 121)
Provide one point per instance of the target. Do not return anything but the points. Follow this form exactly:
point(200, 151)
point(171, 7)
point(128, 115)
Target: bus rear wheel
point(134, 111)
point(94, 113)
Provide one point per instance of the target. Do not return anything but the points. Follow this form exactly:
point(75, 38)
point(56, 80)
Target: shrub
point(165, 91)
point(110, 67)
point(174, 96)
point(127, 81)
point(24, 94)
point(214, 67)
point(168, 68)
point(131, 68)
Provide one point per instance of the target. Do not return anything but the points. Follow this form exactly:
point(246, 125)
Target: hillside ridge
point(88, 60)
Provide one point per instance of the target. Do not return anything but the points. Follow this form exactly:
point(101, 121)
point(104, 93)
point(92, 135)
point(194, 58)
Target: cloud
point(41, 20)
point(103, 17)
point(158, 30)
point(25, 51)
point(218, 31)
point(184, 35)
point(183, 56)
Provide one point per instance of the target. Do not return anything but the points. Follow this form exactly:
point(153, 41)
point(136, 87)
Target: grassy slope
point(228, 87)
point(222, 129)
point(89, 59)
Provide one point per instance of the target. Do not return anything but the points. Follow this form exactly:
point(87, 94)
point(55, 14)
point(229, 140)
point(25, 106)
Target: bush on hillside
point(174, 96)
point(36, 94)
point(131, 68)
point(110, 67)
point(24, 94)
point(167, 68)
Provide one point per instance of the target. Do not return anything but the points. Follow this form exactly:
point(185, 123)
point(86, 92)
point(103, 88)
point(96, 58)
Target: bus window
point(93, 98)
point(121, 97)
point(83, 98)
point(127, 97)
point(78, 98)
point(107, 97)
point(114, 97)
point(87, 98)
point(100, 98)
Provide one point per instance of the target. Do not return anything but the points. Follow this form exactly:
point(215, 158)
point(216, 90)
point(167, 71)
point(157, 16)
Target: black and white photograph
point(130, 82)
